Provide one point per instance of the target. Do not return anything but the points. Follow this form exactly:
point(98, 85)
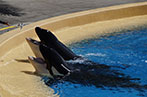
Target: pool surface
point(124, 55)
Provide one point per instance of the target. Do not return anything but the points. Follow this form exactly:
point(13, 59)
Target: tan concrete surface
point(17, 78)
point(16, 11)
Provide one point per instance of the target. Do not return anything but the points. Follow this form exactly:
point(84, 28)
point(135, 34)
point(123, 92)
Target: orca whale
point(53, 59)
point(54, 62)
point(49, 39)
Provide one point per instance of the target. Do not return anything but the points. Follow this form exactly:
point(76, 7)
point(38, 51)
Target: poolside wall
point(14, 38)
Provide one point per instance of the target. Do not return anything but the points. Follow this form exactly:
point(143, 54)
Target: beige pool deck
point(17, 78)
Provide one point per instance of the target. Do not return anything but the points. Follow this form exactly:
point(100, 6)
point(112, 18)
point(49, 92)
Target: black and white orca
point(49, 39)
point(55, 64)
point(53, 59)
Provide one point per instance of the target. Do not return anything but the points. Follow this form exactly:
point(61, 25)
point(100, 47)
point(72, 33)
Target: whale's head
point(39, 65)
point(34, 44)
point(45, 36)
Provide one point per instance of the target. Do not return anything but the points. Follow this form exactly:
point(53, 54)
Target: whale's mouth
point(38, 60)
point(33, 41)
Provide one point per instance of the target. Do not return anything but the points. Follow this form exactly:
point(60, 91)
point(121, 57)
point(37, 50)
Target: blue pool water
point(124, 52)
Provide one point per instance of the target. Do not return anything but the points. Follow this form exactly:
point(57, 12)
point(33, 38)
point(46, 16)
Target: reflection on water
point(124, 74)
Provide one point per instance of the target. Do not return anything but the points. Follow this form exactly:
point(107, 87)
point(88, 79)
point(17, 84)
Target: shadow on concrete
point(7, 9)
point(22, 60)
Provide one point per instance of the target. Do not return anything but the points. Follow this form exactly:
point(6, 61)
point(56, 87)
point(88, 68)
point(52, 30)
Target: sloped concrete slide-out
point(17, 78)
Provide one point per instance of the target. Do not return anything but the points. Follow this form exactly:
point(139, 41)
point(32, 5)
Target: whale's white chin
point(34, 44)
point(39, 65)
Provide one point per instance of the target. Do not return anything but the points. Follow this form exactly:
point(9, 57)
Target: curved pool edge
point(77, 19)
point(85, 22)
